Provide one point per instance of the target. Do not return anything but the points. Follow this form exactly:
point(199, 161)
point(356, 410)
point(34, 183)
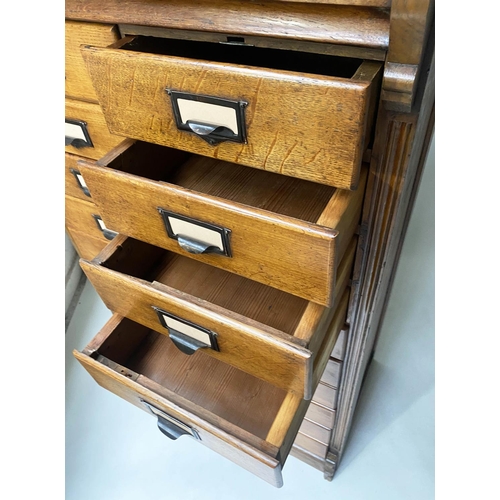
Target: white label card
point(188, 330)
point(199, 233)
point(74, 131)
point(210, 114)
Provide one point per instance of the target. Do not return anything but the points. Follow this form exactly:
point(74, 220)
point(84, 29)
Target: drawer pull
point(213, 119)
point(108, 234)
point(196, 237)
point(170, 426)
point(186, 336)
point(80, 181)
point(76, 134)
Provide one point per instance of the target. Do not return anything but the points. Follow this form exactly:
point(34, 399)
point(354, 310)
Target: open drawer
point(298, 114)
point(287, 233)
point(243, 418)
point(255, 328)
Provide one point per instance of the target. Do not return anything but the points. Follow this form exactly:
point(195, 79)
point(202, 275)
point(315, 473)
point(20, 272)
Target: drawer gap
point(303, 200)
point(247, 55)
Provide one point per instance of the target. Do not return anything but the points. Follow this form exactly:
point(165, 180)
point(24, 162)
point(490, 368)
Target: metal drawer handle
point(213, 119)
point(186, 336)
point(170, 426)
point(80, 182)
point(195, 236)
point(77, 134)
point(194, 246)
point(108, 234)
point(213, 134)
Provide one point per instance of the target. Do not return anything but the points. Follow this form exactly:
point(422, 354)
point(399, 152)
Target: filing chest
point(238, 193)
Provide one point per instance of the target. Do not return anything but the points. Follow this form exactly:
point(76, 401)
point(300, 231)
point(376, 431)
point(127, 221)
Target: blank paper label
point(210, 114)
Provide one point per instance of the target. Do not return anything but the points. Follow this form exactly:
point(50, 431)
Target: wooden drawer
point(272, 109)
point(75, 184)
point(263, 331)
point(86, 131)
point(331, 376)
point(287, 233)
point(311, 446)
point(248, 420)
point(320, 415)
point(77, 81)
point(315, 431)
point(86, 246)
point(326, 396)
point(84, 217)
point(340, 346)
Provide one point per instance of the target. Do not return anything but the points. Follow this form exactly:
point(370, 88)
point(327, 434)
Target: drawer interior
point(270, 306)
point(247, 55)
point(276, 193)
point(226, 392)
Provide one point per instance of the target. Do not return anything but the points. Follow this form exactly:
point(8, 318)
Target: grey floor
point(114, 450)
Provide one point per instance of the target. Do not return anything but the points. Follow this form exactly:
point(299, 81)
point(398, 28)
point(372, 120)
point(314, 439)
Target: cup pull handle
point(184, 343)
point(194, 246)
point(213, 134)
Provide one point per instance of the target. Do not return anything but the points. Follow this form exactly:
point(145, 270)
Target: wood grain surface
point(345, 25)
point(247, 456)
point(301, 125)
point(244, 343)
point(77, 81)
point(103, 141)
point(86, 246)
point(274, 238)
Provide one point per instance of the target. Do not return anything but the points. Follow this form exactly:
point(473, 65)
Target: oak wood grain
point(212, 436)
point(345, 25)
point(372, 54)
point(283, 230)
point(86, 246)
point(301, 125)
point(103, 141)
point(77, 82)
point(244, 343)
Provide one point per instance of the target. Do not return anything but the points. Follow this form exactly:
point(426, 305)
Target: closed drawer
point(84, 217)
point(263, 331)
point(77, 81)
point(249, 421)
point(287, 233)
point(315, 431)
point(331, 376)
point(75, 184)
point(321, 415)
point(297, 114)
point(326, 396)
point(86, 246)
point(311, 446)
point(86, 131)
point(340, 346)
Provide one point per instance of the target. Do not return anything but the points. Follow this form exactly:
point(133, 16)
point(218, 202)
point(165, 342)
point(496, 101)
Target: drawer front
point(75, 185)
point(245, 419)
point(315, 431)
point(282, 358)
point(293, 123)
point(86, 246)
point(239, 452)
point(283, 252)
point(311, 446)
point(331, 376)
point(326, 396)
point(86, 131)
point(77, 82)
point(340, 346)
point(320, 415)
point(83, 217)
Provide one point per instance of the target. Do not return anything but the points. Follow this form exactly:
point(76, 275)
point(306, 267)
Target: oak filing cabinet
point(239, 176)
